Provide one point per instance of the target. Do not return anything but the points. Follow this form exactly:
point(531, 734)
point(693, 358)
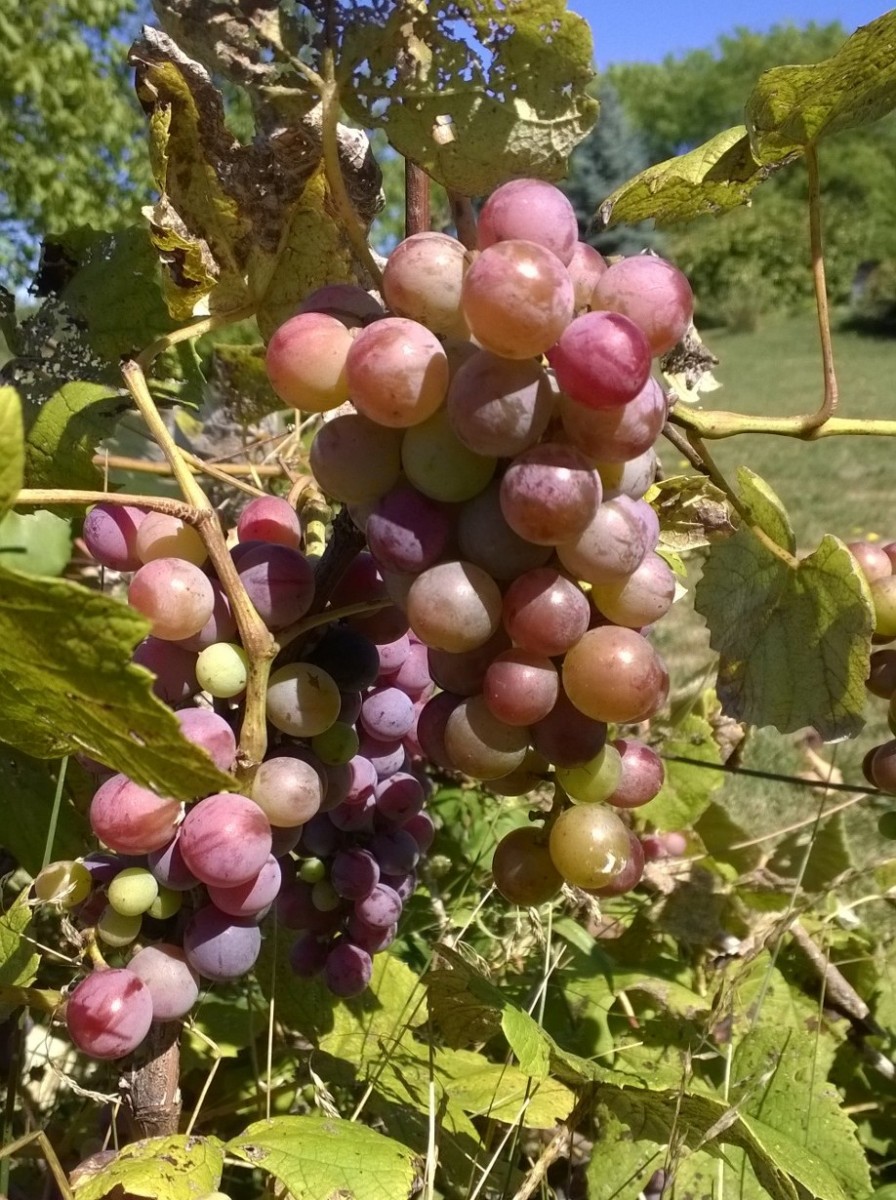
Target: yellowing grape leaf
point(792, 637)
point(68, 685)
point(692, 512)
point(477, 93)
point(712, 178)
point(12, 449)
point(317, 1158)
point(173, 1168)
point(793, 106)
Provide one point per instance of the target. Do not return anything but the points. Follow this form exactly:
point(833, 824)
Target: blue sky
point(647, 30)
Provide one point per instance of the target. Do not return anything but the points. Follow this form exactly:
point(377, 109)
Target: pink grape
point(306, 362)
point(431, 726)
point(585, 268)
point(454, 606)
point(422, 280)
point(270, 519)
point(174, 595)
point(652, 293)
point(500, 406)
point(206, 729)
point(566, 737)
point(109, 1013)
point(220, 627)
point(517, 299)
point(601, 359)
point(614, 674)
point(168, 866)
point(174, 669)
point(544, 612)
point(221, 947)
point(172, 982)
point(397, 372)
point(407, 531)
point(163, 536)
point(288, 790)
point(252, 897)
point(531, 210)
point(225, 839)
point(280, 583)
point(630, 875)
point(642, 774)
point(355, 460)
point(639, 599)
point(616, 434)
point(614, 543)
point(480, 745)
point(550, 494)
point(132, 819)
point(520, 688)
point(632, 478)
point(346, 301)
point(110, 534)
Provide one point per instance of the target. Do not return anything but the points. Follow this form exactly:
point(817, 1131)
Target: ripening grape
point(614, 674)
point(438, 463)
point(174, 595)
point(642, 774)
point(613, 544)
point(116, 929)
point(523, 869)
point(881, 679)
point(253, 897)
point(480, 745)
point(500, 406)
point(486, 540)
point(593, 781)
point(601, 360)
point(589, 845)
point(302, 700)
point(222, 670)
point(172, 982)
point(873, 560)
point(531, 210)
point(279, 581)
point(211, 732)
point(454, 606)
point(617, 434)
point(545, 613)
point(270, 519)
point(519, 687)
point(220, 627)
point(306, 362)
point(164, 536)
point(397, 372)
point(225, 839)
point(630, 875)
point(652, 293)
point(110, 534)
point(109, 1013)
point(354, 459)
point(639, 599)
point(221, 947)
point(422, 280)
point(550, 494)
point(883, 596)
point(132, 819)
point(585, 268)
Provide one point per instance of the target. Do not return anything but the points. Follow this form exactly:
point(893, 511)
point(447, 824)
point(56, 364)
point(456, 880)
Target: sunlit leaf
point(172, 1168)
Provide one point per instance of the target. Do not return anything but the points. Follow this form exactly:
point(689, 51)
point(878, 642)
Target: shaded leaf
point(828, 858)
point(792, 106)
point(467, 69)
point(19, 960)
point(33, 783)
point(318, 1158)
point(66, 432)
point(714, 177)
point(12, 449)
point(687, 789)
point(38, 543)
point(793, 640)
point(93, 700)
point(175, 1168)
point(240, 383)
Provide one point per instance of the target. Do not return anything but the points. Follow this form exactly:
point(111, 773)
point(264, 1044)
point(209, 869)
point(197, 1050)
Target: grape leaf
point(464, 102)
point(793, 638)
point(793, 106)
point(38, 543)
point(316, 1157)
point(176, 1168)
point(66, 431)
point(712, 178)
point(12, 450)
point(68, 685)
point(19, 960)
point(620, 1165)
point(687, 789)
point(692, 512)
point(33, 783)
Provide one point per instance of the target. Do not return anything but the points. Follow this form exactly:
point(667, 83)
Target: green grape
point(886, 825)
point(312, 870)
point(222, 670)
point(523, 870)
point(336, 745)
point(65, 883)
point(303, 700)
point(593, 781)
point(589, 845)
point(324, 896)
point(438, 464)
point(883, 595)
point(132, 891)
point(166, 904)
point(117, 930)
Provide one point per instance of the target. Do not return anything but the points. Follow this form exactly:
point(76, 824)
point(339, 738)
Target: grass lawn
point(845, 486)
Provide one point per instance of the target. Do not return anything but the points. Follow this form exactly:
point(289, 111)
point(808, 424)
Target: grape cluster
point(491, 433)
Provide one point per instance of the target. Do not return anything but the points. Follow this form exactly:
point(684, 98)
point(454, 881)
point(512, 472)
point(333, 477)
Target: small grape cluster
point(491, 432)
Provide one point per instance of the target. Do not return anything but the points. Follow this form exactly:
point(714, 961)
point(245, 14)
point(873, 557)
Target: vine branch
point(831, 393)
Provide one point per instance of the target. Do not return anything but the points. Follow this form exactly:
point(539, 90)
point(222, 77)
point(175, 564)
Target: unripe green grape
point(312, 870)
point(66, 883)
point(166, 904)
point(324, 896)
point(132, 891)
point(222, 670)
point(439, 465)
point(336, 745)
point(883, 595)
point(302, 700)
point(886, 825)
point(115, 929)
point(593, 781)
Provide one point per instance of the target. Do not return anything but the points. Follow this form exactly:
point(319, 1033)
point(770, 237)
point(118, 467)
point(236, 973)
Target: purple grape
point(296, 909)
point(354, 874)
point(404, 885)
point(421, 829)
point(413, 675)
point(406, 531)
point(110, 534)
point(279, 582)
point(351, 707)
point(393, 654)
point(221, 947)
point(319, 837)
point(285, 838)
point(399, 797)
point(396, 851)
point(353, 818)
point(173, 984)
point(253, 897)
point(363, 782)
point(380, 909)
point(103, 865)
point(308, 955)
point(169, 867)
point(386, 757)
point(173, 666)
point(339, 778)
point(347, 970)
point(387, 714)
point(205, 728)
point(370, 939)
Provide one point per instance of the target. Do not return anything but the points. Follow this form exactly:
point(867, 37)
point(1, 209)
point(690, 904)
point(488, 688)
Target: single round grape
point(173, 668)
point(873, 560)
point(132, 891)
point(517, 299)
point(399, 797)
point(166, 904)
point(221, 947)
point(642, 775)
point(422, 280)
point(438, 463)
point(109, 1013)
point(633, 478)
point(641, 598)
point(270, 519)
point(338, 744)
point(585, 268)
point(254, 896)
point(354, 873)
point(500, 406)
point(454, 606)
point(618, 434)
point(225, 839)
point(397, 853)
point(211, 732)
point(630, 875)
point(883, 767)
point(347, 970)
point(279, 581)
point(408, 531)
point(222, 670)
point(172, 982)
point(550, 494)
point(652, 293)
point(531, 210)
point(593, 781)
point(350, 659)
point(355, 460)
point(613, 545)
point(520, 688)
point(110, 534)
point(566, 737)
point(881, 679)
point(116, 929)
point(387, 714)
point(306, 362)
point(545, 613)
point(163, 536)
point(480, 745)
point(381, 908)
point(132, 819)
point(174, 595)
point(302, 700)
point(431, 728)
point(422, 830)
point(397, 372)
point(589, 845)
point(601, 359)
point(523, 869)
point(65, 883)
point(346, 301)
point(883, 596)
point(614, 674)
